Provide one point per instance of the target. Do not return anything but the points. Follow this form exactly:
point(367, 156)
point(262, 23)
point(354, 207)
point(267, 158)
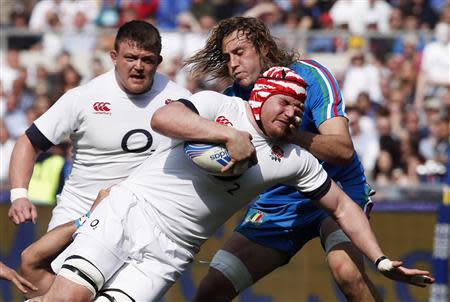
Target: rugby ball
point(211, 158)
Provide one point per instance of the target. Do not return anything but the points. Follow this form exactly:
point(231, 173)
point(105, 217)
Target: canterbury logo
point(224, 121)
point(102, 107)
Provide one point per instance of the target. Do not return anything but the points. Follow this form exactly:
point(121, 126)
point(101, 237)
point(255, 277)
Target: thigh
point(149, 278)
point(135, 284)
point(103, 239)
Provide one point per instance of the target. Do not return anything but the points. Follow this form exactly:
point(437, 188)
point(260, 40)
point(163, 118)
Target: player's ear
point(160, 59)
point(264, 50)
point(113, 55)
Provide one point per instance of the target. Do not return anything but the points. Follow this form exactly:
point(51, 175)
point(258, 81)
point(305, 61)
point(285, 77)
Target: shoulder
point(163, 84)
point(312, 70)
point(213, 99)
point(208, 95)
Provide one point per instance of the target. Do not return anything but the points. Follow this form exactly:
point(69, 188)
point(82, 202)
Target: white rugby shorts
point(68, 208)
point(120, 232)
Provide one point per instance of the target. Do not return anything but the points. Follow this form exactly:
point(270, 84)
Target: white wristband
point(385, 265)
point(17, 193)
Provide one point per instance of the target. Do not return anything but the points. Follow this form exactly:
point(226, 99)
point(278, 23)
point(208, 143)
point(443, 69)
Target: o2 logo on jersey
point(94, 223)
point(101, 107)
point(133, 142)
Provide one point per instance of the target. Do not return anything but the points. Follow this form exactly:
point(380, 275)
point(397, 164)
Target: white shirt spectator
point(357, 14)
point(6, 148)
point(65, 10)
point(361, 77)
point(436, 56)
point(366, 143)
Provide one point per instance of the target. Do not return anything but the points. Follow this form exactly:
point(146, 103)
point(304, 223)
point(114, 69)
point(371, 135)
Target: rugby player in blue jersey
point(282, 220)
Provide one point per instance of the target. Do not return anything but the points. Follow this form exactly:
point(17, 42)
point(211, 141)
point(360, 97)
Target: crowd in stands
point(391, 59)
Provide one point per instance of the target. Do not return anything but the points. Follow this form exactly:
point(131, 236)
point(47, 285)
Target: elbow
point(347, 155)
point(343, 158)
point(157, 122)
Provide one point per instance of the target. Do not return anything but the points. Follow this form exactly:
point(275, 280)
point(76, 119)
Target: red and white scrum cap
point(276, 80)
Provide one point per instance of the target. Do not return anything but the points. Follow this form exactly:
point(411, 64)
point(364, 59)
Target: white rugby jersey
point(110, 131)
point(189, 205)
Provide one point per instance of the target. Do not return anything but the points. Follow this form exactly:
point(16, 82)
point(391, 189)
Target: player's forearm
point(330, 148)
point(352, 220)
point(22, 163)
point(48, 246)
point(177, 121)
point(36, 259)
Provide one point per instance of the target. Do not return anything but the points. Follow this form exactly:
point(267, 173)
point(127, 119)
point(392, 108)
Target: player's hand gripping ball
point(211, 158)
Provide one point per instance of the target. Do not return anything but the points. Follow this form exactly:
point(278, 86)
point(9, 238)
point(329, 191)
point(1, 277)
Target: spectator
point(384, 167)
point(142, 9)
point(367, 113)
point(409, 47)
point(395, 20)
point(377, 15)
point(201, 8)
point(168, 11)
point(108, 15)
point(432, 107)
point(10, 69)
point(81, 39)
point(15, 119)
point(3, 101)
point(366, 107)
point(41, 84)
point(7, 145)
point(436, 145)
point(358, 15)
point(421, 10)
point(183, 42)
point(42, 104)
point(207, 22)
point(19, 16)
point(97, 67)
point(434, 76)
point(412, 126)
point(365, 145)
point(63, 10)
point(410, 158)
point(67, 79)
point(360, 77)
point(52, 43)
point(395, 106)
point(386, 140)
point(268, 12)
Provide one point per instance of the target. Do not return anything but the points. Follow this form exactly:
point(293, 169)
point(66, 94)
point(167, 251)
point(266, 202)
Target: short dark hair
point(211, 61)
point(143, 34)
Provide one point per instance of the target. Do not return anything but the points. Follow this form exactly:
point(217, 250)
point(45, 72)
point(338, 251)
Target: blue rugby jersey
point(324, 101)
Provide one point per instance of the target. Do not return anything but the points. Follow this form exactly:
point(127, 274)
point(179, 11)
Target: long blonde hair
point(211, 61)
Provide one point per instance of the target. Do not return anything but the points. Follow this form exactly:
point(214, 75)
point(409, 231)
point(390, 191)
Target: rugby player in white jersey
point(147, 231)
point(107, 120)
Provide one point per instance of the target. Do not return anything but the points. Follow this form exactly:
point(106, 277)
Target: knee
point(347, 274)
